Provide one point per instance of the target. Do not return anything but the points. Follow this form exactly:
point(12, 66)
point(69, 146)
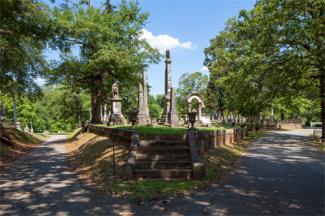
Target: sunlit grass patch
point(163, 130)
point(153, 188)
point(74, 134)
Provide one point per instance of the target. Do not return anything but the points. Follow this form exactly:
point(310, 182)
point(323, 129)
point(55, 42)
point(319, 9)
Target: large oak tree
point(100, 46)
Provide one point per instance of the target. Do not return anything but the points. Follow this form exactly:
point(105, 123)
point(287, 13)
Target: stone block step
point(163, 173)
point(172, 143)
point(185, 164)
point(163, 150)
point(157, 157)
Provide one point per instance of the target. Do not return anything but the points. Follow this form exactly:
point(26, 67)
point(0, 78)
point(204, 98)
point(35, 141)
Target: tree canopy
point(108, 45)
point(24, 30)
point(274, 50)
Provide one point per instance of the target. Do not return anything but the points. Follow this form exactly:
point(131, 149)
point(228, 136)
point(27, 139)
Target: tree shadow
point(279, 175)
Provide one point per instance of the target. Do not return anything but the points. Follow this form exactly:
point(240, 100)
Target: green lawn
point(163, 130)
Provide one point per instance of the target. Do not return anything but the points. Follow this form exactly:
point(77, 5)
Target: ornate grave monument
point(198, 97)
point(168, 86)
point(143, 114)
point(116, 116)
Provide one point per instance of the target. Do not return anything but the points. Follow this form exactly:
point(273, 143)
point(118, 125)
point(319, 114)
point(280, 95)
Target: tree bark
point(322, 98)
point(95, 101)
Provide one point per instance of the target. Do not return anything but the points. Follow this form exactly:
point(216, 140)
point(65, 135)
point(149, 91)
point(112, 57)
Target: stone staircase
point(163, 159)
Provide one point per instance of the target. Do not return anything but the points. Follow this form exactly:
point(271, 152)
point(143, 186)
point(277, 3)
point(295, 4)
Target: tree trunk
point(322, 98)
point(95, 101)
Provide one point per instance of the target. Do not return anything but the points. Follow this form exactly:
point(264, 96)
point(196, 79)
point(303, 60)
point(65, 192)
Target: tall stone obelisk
point(173, 117)
point(168, 85)
point(143, 115)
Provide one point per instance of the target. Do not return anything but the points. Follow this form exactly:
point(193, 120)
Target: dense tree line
point(269, 57)
point(272, 55)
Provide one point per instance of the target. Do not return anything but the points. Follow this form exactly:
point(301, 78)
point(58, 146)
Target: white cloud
point(204, 69)
point(164, 41)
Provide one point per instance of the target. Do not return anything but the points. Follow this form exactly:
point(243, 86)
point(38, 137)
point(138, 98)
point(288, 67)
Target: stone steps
point(163, 150)
point(163, 159)
point(157, 157)
point(161, 164)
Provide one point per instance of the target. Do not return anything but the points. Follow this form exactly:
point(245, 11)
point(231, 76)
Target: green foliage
point(190, 83)
point(24, 30)
point(155, 107)
point(109, 44)
point(274, 51)
point(56, 110)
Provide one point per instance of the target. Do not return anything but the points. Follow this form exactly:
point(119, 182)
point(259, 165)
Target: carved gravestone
point(116, 116)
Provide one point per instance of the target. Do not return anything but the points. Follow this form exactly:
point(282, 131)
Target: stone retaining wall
point(214, 139)
point(289, 124)
point(199, 142)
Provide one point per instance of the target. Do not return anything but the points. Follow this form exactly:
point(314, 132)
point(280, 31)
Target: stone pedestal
point(116, 117)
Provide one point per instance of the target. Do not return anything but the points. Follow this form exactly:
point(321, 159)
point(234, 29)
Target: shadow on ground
point(280, 175)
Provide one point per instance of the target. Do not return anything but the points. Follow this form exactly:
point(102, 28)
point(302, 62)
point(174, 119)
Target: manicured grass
point(74, 134)
point(41, 137)
point(163, 130)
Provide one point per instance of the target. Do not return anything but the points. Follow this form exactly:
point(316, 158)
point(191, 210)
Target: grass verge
point(93, 157)
point(315, 141)
point(15, 143)
point(74, 134)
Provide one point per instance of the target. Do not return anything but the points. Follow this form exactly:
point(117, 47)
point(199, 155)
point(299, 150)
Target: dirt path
point(42, 183)
point(280, 175)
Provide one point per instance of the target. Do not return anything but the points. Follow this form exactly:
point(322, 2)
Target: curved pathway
point(42, 183)
point(281, 174)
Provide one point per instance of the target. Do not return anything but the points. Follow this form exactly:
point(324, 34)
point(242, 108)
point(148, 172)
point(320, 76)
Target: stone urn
point(133, 117)
point(192, 118)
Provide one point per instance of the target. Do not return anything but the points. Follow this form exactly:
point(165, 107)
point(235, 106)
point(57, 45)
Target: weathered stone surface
point(198, 170)
point(116, 116)
point(198, 97)
point(173, 117)
point(168, 85)
point(143, 115)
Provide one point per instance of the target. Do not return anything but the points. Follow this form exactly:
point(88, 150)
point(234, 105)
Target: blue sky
point(186, 27)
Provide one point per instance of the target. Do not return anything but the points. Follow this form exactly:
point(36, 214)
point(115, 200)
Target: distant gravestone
point(198, 97)
point(116, 116)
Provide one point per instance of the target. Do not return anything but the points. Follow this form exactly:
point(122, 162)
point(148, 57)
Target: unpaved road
point(281, 174)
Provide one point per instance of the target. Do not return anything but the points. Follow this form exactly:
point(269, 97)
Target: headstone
point(26, 129)
point(154, 122)
point(173, 117)
point(168, 83)
point(143, 114)
point(116, 116)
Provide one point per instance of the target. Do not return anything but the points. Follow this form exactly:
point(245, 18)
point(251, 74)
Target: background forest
point(269, 57)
